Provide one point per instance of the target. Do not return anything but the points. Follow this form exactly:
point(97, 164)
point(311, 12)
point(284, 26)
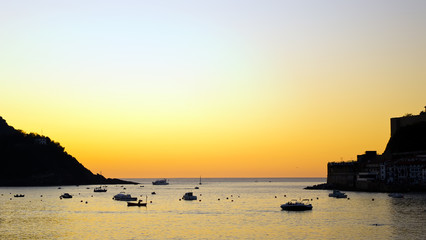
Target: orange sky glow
point(142, 89)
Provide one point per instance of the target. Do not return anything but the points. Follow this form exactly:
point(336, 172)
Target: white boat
point(396, 195)
point(337, 194)
point(124, 197)
point(295, 205)
point(189, 196)
point(99, 189)
point(65, 195)
point(160, 182)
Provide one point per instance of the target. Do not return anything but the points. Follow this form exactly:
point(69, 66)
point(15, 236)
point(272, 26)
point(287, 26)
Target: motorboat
point(99, 189)
point(295, 205)
point(196, 188)
point(19, 195)
point(160, 182)
point(337, 194)
point(396, 195)
point(124, 197)
point(189, 196)
point(139, 204)
point(65, 195)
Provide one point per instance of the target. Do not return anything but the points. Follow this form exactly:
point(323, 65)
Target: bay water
point(228, 208)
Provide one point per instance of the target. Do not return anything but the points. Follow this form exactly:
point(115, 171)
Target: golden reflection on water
point(250, 212)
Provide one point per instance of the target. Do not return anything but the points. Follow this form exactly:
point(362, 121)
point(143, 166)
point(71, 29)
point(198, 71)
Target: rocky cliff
point(411, 138)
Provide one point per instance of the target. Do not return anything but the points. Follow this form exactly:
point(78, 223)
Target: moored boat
point(396, 195)
point(99, 189)
point(295, 205)
point(138, 204)
point(65, 195)
point(337, 194)
point(160, 182)
point(124, 197)
point(189, 196)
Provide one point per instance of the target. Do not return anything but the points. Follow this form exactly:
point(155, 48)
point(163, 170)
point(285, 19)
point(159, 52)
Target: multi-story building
point(401, 166)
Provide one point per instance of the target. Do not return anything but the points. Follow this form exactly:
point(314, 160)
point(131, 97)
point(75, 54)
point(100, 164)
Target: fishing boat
point(189, 196)
point(138, 204)
point(65, 195)
point(396, 195)
point(124, 197)
point(337, 194)
point(160, 182)
point(295, 205)
point(99, 189)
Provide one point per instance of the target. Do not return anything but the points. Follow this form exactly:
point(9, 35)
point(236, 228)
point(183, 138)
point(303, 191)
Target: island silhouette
point(30, 159)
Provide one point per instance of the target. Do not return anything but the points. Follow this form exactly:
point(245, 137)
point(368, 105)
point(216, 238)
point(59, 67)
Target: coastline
point(378, 188)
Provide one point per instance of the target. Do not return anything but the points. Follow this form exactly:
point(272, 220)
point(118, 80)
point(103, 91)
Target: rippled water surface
point(229, 209)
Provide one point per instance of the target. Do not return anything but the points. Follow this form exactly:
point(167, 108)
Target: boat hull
point(130, 204)
point(189, 198)
point(296, 207)
point(125, 199)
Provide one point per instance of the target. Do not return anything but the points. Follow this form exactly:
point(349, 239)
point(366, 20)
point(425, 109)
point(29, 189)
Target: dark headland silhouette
point(35, 160)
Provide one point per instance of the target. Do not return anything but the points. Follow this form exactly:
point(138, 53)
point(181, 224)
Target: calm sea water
point(247, 209)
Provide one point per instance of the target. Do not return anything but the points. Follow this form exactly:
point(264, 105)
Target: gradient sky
point(212, 88)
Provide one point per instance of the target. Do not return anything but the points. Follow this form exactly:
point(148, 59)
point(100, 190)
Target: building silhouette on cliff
point(402, 166)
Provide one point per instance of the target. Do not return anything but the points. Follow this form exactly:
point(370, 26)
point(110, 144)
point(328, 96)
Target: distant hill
point(35, 160)
point(411, 138)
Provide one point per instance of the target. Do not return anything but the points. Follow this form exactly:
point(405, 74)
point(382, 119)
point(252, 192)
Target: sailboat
point(200, 180)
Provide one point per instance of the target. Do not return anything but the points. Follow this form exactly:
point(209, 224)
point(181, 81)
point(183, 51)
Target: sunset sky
point(212, 88)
